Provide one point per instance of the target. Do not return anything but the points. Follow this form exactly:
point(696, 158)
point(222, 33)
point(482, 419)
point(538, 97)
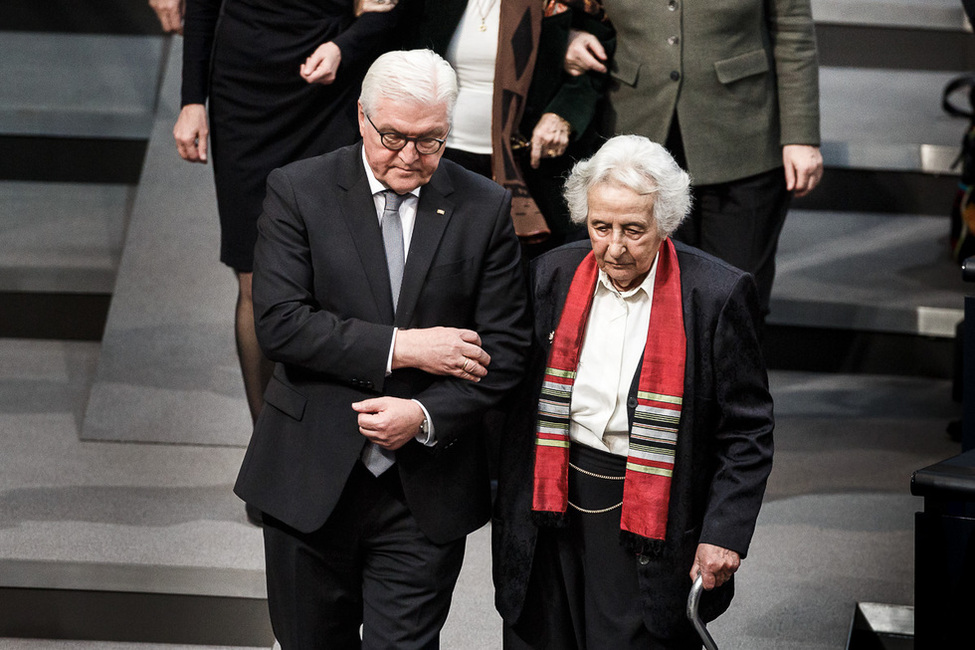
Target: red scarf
point(653, 432)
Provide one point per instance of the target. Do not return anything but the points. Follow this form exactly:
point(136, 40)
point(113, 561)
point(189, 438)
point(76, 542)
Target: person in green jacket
point(732, 91)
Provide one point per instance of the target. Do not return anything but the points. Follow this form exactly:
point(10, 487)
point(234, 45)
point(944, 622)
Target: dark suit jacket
point(724, 449)
point(324, 312)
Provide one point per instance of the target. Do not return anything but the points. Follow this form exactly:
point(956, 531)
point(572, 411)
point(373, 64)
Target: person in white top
point(520, 119)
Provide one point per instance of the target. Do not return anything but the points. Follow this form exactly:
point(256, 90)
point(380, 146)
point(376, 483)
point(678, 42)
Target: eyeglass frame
point(406, 139)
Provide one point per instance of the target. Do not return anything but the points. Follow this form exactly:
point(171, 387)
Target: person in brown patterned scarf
point(520, 120)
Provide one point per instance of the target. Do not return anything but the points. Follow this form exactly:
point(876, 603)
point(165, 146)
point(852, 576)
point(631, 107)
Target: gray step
point(897, 34)
point(887, 120)
point(61, 237)
point(77, 107)
point(119, 542)
point(845, 448)
point(898, 48)
point(867, 272)
point(865, 293)
point(60, 245)
point(945, 15)
point(887, 144)
point(77, 85)
point(141, 603)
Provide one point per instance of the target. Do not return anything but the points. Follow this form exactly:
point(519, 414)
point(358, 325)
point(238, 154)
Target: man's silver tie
point(393, 240)
point(376, 459)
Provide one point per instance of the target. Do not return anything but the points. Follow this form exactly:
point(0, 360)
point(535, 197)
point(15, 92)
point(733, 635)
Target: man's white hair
point(417, 76)
point(634, 162)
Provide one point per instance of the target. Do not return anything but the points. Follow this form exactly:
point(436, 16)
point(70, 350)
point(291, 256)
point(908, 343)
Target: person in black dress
point(282, 79)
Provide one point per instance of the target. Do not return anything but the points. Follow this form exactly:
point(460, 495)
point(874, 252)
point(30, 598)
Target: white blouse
point(615, 338)
point(473, 54)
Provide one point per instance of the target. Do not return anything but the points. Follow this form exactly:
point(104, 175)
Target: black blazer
point(724, 449)
point(324, 312)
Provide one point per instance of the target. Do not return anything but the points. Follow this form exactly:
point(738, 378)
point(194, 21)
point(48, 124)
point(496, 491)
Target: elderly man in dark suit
point(645, 438)
point(388, 288)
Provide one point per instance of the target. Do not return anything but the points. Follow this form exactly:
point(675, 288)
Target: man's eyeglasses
point(395, 141)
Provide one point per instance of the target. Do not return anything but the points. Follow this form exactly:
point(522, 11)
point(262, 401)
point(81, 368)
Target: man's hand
point(715, 564)
point(322, 65)
point(445, 351)
point(584, 53)
point(389, 422)
point(170, 14)
point(803, 168)
point(550, 137)
point(191, 133)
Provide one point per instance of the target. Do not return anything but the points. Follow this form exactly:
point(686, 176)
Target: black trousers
point(369, 566)
point(584, 592)
point(738, 221)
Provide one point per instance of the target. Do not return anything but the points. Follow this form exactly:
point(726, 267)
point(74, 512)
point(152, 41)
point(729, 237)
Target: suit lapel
point(358, 211)
point(433, 212)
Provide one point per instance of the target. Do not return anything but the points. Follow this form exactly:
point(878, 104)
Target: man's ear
point(362, 120)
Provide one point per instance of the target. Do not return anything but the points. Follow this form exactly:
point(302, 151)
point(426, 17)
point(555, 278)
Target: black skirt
point(263, 114)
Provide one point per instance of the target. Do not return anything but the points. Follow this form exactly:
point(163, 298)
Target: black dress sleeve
point(368, 36)
point(199, 27)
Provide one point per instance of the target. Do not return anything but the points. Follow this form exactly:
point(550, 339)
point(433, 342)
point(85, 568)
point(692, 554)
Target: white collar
point(646, 286)
point(375, 185)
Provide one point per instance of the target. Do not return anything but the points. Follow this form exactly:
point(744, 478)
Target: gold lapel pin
point(439, 211)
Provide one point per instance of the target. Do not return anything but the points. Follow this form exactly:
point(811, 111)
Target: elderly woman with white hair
point(638, 456)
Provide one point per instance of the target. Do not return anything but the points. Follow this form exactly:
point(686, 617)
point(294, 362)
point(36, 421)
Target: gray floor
point(837, 524)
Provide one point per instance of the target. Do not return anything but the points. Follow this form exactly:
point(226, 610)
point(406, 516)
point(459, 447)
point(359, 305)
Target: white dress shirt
point(616, 335)
point(407, 209)
point(407, 215)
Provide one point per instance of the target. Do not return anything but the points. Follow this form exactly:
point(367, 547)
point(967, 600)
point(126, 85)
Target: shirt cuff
point(428, 439)
point(389, 359)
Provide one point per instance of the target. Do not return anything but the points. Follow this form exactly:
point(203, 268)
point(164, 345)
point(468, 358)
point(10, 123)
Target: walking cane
point(693, 600)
